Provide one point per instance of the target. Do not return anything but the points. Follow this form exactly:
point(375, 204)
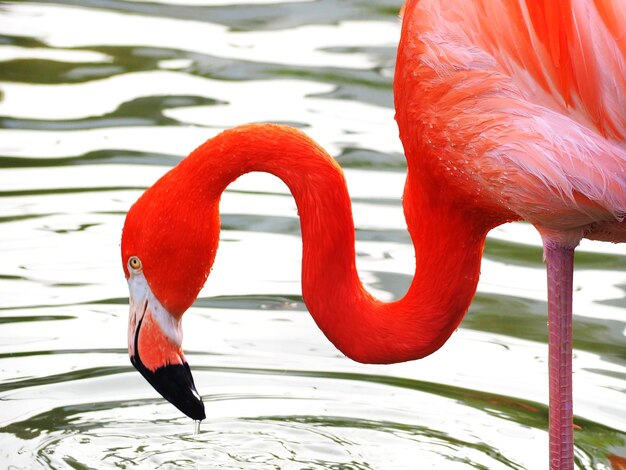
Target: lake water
point(101, 97)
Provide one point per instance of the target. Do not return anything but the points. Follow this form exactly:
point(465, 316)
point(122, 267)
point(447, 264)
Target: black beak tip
point(175, 383)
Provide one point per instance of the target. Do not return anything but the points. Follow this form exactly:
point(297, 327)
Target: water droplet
point(196, 426)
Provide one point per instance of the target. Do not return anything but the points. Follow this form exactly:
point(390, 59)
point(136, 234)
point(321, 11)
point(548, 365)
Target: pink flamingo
point(507, 109)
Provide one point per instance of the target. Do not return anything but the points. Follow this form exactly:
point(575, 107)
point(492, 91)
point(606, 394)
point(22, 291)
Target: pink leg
point(560, 266)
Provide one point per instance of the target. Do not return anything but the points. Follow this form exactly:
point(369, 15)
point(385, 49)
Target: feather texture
point(523, 100)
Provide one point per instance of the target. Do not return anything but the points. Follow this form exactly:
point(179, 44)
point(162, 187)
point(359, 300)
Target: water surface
point(98, 98)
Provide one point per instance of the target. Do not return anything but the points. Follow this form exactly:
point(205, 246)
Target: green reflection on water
point(529, 255)
point(526, 319)
point(593, 440)
point(14, 319)
point(80, 374)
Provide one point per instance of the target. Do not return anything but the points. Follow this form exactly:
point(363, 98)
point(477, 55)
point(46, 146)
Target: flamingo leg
point(560, 268)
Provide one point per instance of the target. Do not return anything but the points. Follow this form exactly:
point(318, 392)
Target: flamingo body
point(516, 108)
point(507, 110)
point(495, 106)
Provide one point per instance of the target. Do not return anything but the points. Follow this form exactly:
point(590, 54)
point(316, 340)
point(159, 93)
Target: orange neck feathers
point(448, 246)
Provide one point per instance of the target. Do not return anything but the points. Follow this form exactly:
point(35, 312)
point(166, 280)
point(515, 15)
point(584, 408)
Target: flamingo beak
point(154, 347)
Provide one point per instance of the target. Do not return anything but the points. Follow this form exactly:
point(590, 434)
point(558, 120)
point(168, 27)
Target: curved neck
point(448, 247)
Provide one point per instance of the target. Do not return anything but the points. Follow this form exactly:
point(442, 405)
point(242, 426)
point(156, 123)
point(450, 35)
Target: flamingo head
point(169, 243)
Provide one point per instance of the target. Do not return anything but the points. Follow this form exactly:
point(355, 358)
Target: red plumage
point(507, 109)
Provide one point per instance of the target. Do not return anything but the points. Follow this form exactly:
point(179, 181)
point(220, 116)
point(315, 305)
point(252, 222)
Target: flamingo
point(507, 110)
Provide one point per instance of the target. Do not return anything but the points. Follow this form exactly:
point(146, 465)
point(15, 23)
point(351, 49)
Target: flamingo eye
point(134, 263)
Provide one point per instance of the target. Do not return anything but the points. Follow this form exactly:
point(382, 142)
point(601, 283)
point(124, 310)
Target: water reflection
point(100, 98)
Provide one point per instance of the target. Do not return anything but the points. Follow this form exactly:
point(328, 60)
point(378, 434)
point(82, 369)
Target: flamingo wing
point(523, 102)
